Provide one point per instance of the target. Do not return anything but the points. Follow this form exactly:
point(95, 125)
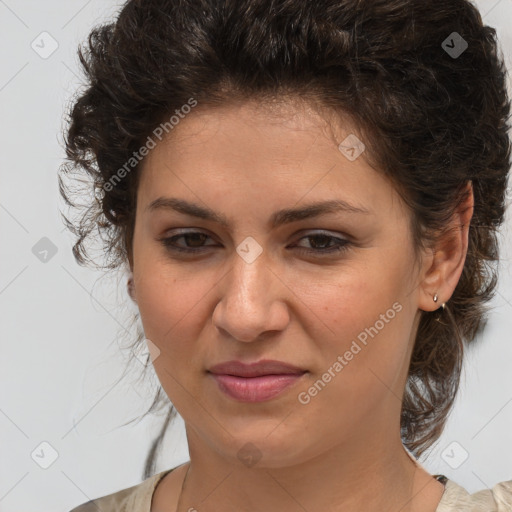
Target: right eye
point(196, 238)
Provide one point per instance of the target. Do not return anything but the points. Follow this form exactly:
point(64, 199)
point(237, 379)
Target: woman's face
point(252, 290)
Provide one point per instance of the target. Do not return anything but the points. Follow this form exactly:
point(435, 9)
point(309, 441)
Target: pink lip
point(255, 389)
point(255, 382)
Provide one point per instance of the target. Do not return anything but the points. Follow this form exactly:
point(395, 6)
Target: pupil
point(195, 237)
point(316, 238)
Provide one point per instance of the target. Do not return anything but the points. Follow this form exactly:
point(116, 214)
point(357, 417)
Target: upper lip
point(264, 367)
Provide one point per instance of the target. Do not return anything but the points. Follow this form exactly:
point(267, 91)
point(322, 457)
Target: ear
point(130, 286)
point(442, 269)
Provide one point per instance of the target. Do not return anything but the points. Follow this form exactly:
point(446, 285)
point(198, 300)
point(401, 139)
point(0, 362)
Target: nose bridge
point(249, 279)
point(248, 305)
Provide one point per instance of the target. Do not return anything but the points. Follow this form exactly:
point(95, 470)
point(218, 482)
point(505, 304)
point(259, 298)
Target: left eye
point(196, 238)
point(340, 244)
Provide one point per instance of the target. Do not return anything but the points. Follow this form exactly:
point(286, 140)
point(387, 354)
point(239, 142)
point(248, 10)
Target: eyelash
point(341, 247)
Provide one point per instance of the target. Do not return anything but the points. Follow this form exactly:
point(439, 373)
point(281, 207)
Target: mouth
point(256, 382)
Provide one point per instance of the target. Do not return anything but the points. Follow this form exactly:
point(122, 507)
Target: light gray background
point(60, 363)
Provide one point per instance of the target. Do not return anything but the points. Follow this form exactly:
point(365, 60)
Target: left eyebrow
point(279, 218)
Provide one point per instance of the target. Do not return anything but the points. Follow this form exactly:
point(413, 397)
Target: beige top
point(455, 498)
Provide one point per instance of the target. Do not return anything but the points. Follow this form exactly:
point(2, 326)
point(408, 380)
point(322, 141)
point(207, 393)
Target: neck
point(351, 476)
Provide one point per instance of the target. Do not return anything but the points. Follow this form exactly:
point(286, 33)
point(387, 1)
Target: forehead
point(255, 123)
point(287, 149)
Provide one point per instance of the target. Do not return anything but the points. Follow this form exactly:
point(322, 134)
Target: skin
point(342, 450)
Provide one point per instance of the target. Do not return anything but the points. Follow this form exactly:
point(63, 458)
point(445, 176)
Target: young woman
point(306, 196)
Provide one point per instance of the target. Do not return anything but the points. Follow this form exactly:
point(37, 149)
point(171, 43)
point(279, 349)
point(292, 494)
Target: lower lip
point(255, 389)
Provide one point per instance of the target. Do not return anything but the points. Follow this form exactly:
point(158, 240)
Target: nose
point(252, 300)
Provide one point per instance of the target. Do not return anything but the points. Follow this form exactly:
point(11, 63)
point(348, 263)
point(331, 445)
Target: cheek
point(168, 303)
point(170, 307)
point(364, 320)
point(348, 302)
point(362, 361)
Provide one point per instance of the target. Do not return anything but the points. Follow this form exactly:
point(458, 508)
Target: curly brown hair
point(431, 120)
